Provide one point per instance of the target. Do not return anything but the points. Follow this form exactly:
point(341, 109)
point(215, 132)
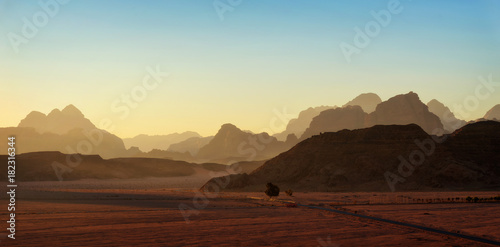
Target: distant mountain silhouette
point(400, 109)
point(448, 119)
point(191, 145)
point(160, 154)
point(493, 113)
point(57, 122)
point(358, 160)
point(66, 131)
point(348, 117)
point(76, 140)
point(404, 109)
point(147, 143)
point(367, 101)
point(232, 144)
point(297, 126)
point(291, 140)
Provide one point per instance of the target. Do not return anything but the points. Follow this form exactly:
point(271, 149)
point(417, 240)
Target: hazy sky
point(263, 55)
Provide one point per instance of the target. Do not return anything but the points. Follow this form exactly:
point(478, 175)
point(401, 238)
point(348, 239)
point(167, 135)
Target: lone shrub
point(272, 190)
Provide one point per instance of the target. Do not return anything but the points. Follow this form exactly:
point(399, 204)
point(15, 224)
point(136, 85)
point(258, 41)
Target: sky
point(239, 62)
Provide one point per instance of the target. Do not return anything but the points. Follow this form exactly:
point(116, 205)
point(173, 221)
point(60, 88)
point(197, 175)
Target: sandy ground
point(86, 214)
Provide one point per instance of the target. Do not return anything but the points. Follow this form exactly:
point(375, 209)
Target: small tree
point(289, 192)
point(272, 190)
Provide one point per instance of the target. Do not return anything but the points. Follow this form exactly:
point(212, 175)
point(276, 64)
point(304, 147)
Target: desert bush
point(289, 192)
point(272, 190)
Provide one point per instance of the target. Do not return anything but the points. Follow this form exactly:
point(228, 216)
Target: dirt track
point(429, 229)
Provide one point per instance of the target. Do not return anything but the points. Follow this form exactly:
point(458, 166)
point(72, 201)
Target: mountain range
point(231, 144)
point(367, 101)
point(162, 142)
point(57, 121)
point(382, 158)
point(191, 145)
point(448, 119)
point(400, 109)
point(68, 131)
point(297, 126)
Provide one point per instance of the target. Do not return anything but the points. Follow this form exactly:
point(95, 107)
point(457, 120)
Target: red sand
point(151, 217)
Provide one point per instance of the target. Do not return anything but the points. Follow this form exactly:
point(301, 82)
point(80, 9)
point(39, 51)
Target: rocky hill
point(46, 166)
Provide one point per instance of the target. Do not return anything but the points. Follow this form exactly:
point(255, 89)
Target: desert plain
point(172, 212)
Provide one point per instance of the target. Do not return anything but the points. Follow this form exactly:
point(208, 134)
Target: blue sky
point(264, 55)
